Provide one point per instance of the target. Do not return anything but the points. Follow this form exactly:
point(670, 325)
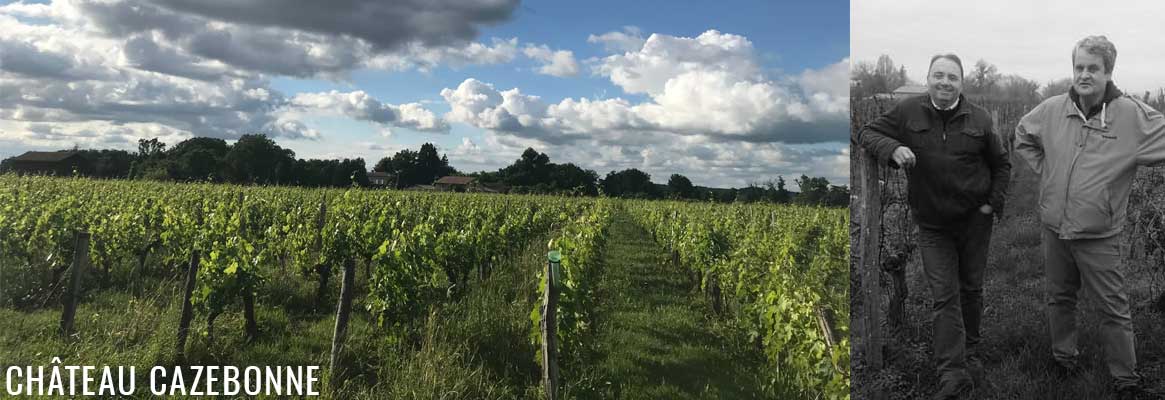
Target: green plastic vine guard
point(555, 259)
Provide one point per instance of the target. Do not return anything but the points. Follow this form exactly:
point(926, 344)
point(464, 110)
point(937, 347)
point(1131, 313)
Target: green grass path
point(656, 338)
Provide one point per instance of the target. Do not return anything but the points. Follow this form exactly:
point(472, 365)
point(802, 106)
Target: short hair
point(1097, 46)
point(948, 56)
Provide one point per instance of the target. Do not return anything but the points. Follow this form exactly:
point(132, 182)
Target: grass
point(655, 336)
point(1016, 343)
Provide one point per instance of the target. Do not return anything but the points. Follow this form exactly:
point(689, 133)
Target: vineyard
point(410, 294)
point(892, 317)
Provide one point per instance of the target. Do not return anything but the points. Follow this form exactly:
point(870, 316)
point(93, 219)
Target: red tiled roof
point(46, 156)
point(455, 180)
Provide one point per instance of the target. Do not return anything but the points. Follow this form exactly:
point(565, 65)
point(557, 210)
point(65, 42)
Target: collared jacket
point(1087, 162)
point(960, 164)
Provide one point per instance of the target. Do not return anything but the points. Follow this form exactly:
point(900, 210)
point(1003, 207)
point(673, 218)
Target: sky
point(1033, 39)
point(726, 93)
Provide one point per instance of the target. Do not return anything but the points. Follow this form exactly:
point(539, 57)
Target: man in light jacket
point(1086, 146)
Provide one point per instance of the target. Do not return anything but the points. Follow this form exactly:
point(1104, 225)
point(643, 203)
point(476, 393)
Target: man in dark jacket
point(957, 177)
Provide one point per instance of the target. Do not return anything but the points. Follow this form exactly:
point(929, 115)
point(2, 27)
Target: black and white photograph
point(1008, 200)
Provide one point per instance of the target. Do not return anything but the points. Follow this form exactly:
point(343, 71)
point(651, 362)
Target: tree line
point(982, 80)
point(259, 160)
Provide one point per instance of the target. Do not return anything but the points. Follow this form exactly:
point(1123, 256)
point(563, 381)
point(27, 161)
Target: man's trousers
point(954, 258)
point(1093, 264)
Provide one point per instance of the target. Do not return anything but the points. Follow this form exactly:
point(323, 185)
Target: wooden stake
point(80, 264)
point(187, 308)
point(324, 271)
point(252, 327)
point(868, 311)
point(343, 309)
point(549, 336)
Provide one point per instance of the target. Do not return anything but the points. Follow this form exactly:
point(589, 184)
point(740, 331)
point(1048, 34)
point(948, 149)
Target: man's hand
point(903, 157)
point(986, 209)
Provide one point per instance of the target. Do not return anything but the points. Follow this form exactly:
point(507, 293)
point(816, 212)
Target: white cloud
point(628, 40)
point(424, 58)
point(558, 63)
point(467, 147)
point(199, 40)
point(477, 103)
point(664, 57)
point(711, 114)
point(360, 106)
point(706, 86)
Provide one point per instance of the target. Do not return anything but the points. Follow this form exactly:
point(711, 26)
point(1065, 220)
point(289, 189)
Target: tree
point(1018, 88)
point(430, 166)
point(630, 183)
point(108, 163)
point(750, 194)
point(892, 76)
point(149, 149)
point(257, 159)
point(1056, 87)
point(532, 168)
point(838, 196)
point(813, 190)
point(199, 158)
point(149, 162)
point(681, 187)
point(862, 82)
point(777, 192)
point(982, 79)
point(880, 77)
point(534, 173)
point(570, 178)
point(416, 167)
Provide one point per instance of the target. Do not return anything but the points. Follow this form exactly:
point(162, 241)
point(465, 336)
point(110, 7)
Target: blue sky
point(727, 93)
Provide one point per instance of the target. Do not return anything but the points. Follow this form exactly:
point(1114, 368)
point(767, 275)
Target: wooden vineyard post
point(714, 293)
point(323, 270)
point(187, 308)
point(868, 214)
point(549, 327)
point(250, 325)
point(825, 322)
point(80, 264)
point(342, 313)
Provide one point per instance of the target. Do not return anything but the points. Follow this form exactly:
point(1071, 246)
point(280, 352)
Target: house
point(59, 163)
point(380, 179)
point(455, 183)
point(490, 188)
point(905, 91)
point(902, 92)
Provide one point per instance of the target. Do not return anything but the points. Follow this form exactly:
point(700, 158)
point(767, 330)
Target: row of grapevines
point(580, 243)
point(778, 265)
point(409, 242)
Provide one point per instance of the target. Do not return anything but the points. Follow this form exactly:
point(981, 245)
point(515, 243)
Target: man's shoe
point(1068, 369)
point(954, 389)
point(1136, 392)
point(975, 368)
